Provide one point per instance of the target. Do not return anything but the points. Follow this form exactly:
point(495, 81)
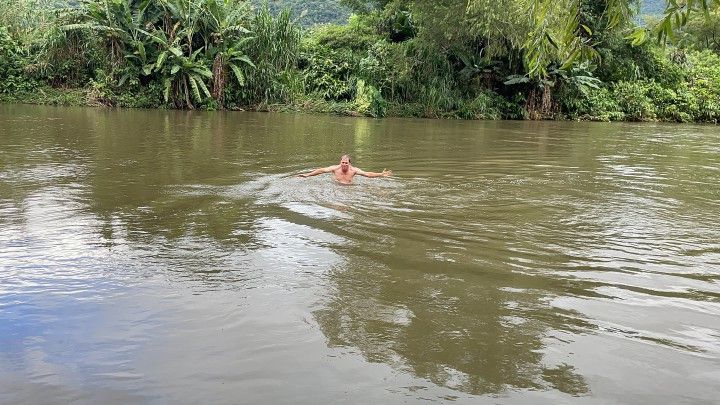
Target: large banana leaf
point(238, 74)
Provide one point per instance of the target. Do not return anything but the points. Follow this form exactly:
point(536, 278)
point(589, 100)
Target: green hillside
point(330, 11)
point(652, 7)
point(311, 12)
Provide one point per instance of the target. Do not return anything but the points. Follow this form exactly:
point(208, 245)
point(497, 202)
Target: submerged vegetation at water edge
point(470, 59)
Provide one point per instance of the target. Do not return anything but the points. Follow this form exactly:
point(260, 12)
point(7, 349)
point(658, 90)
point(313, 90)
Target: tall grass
point(274, 50)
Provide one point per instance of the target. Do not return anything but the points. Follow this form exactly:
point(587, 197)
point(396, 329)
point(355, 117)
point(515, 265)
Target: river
point(175, 257)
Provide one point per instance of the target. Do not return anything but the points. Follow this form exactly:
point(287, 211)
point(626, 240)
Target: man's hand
point(303, 175)
point(386, 173)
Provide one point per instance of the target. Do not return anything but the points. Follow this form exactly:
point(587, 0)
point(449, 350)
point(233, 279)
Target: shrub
point(620, 61)
point(274, 51)
point(387, 66)
point(369, 101)
point(704, 84)
point(328, 72)
point(488, 105)
point(670, 104)
point(633, 100)
point(597, 105)
point(358, 35)
point(12, 77)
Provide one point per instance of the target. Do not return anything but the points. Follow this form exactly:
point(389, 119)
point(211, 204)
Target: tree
point(172, 41)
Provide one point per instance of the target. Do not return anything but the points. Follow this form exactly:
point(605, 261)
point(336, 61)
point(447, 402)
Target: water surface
point(174, 257)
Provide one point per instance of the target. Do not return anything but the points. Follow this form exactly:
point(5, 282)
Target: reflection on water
point(453, 332)
point(150, 256)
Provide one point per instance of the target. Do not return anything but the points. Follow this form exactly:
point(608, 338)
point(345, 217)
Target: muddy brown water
point(174, 257)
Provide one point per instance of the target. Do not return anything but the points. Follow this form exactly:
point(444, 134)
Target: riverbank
point(389, 62)
point(82, 97)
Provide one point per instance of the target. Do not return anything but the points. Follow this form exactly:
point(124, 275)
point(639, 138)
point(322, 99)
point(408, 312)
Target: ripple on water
point(522, 261)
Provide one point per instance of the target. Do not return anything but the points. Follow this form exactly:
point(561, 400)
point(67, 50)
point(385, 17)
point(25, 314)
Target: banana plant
point(175, 42)
point(119, 22)
point(579, 75)
point(225, 21)
point(183, 75)
point(234, 60)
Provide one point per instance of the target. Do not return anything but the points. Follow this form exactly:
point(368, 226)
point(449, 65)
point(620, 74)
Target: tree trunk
point(219, 79)
point(540, 104)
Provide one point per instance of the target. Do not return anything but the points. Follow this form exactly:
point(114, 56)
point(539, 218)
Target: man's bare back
point(344, 172)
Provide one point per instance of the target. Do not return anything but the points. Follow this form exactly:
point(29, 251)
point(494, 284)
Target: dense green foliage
point(702, 33)
point(695, 97)
point(469, 59)
point(11, 63)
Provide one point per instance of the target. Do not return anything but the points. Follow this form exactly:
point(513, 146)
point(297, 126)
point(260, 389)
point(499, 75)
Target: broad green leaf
point(160, 60)
point(244, 58)
point(141, 50)
point(637, 37)
point(238, 74)
point(202, 86)
point(203, 72)
point(166, 93)
point(516, 80)
point(123, 79)
point(161, 40)
point(194, 87)
point(147, 69)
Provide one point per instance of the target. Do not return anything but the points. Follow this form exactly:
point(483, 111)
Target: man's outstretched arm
point(318, 171)
point(384, 173)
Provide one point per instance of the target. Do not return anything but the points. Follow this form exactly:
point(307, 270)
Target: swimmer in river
point(345, 171)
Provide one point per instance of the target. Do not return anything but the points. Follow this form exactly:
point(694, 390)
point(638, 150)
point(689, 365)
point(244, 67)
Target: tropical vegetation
point(469, 59)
